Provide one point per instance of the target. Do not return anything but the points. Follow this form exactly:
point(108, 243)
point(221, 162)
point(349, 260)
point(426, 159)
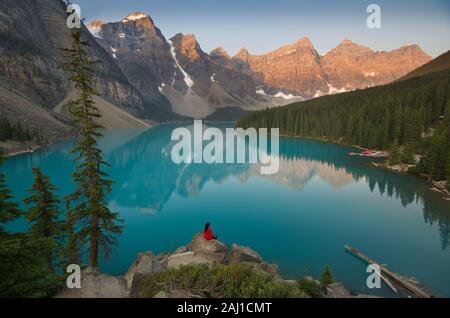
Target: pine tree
point(326, 278)
point(71, 254)
point(438, 154)
point(99, 226)
point(447, 139)
point(9, 210)
point(23, 272)
point(394, 153)
point(43, 214)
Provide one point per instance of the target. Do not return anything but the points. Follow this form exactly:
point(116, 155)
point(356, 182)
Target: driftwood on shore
point(441, 187)
point(410, 285)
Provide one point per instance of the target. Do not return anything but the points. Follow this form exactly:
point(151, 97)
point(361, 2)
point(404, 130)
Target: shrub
point(310, 287)
point(220, 281)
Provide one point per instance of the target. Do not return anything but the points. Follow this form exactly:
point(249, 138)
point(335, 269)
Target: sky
point(264, 25)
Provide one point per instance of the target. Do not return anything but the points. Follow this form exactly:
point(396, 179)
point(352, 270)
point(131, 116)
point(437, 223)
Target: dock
point(409, 285)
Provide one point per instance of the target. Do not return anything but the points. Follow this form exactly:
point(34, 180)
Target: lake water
point(301, 218)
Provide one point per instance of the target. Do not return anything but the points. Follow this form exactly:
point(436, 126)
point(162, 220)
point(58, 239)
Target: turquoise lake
point(300, 218)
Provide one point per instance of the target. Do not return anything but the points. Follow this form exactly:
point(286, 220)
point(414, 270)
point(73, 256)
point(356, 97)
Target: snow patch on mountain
point(113, 52)
point(260, 91)
point(318, 94)
point(96, 32)
point(134, 16)
point(95, 28)
point(280, 94)
point(187, 79)
point(334, 90)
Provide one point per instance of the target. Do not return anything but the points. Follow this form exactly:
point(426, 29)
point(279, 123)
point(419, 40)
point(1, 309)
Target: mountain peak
point(188, 45)
point(184, 37)
point(346, 41)
point(305, 41)
point(135, 16)
point(242, 54)
point(95, 28)
point(220, 51)
point(95, 24)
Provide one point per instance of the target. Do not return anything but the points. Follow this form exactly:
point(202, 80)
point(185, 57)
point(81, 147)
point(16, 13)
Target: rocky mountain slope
point(300, 70)
point(150, 77)
point(32, 84)
point(33, 33)
point(440, 63)
point(177, 70)
point(350, 66)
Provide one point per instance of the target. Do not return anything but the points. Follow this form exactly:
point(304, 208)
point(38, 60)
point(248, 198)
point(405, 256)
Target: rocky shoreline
point(199, 251)
point(14, 148)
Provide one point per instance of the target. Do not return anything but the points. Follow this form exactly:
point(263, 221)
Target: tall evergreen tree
point(98, 225)
point(447, 139)
point(395, 155)
point(9, 210)
point(43, 215)
point(23, 272)
point(72, 251)
point(326, 277)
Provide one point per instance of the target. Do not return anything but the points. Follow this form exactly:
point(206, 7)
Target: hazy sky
point(264, 25)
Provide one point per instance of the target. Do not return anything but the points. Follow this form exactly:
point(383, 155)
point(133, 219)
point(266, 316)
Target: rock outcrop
point(198, 251)
point(213, 250)
point(243, 254)
point(146, 263)
point(98, 285)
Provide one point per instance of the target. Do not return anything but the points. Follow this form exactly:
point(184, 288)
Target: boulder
point(213, 250)
point(268, 269)
point(138, 284)
point(145, 263)
point(188, 258)
point(162, 259)
point(243, 254)
point(97, 285)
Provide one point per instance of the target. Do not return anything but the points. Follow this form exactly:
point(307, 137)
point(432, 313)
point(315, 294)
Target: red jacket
point(208, 235)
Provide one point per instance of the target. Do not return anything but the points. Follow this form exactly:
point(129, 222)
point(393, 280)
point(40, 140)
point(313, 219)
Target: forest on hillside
point(18, 132)
point(409, 118)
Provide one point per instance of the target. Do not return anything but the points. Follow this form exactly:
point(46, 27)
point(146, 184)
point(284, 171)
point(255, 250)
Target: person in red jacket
point(208, 233)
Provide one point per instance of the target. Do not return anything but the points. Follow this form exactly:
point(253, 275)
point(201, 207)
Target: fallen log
point(408, 285)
